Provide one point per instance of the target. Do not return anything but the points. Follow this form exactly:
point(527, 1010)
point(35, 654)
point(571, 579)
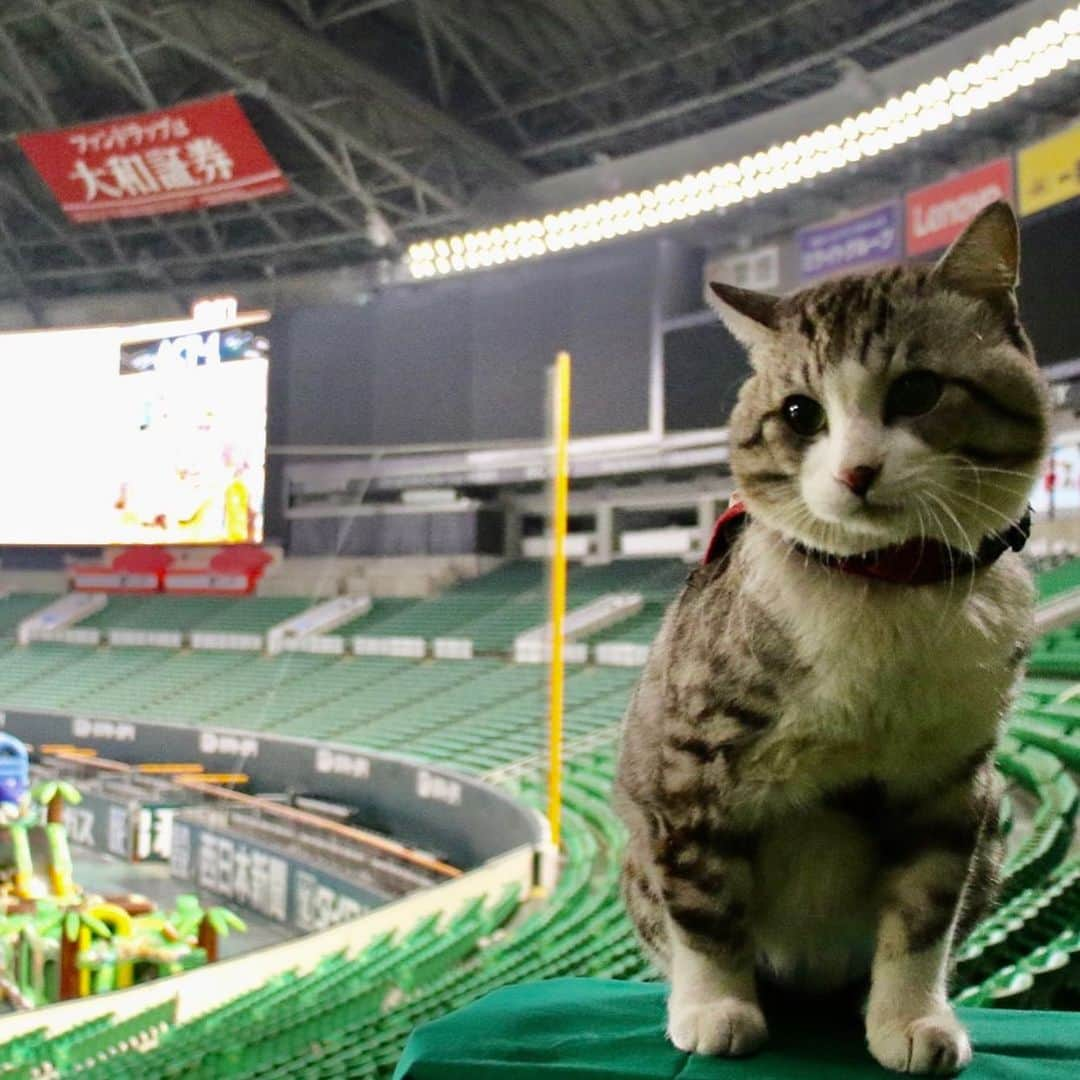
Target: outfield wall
point(453, 814)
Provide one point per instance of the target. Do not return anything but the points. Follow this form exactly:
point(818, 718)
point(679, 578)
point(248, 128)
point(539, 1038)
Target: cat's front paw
point(936, 1044)
point(724, 1027)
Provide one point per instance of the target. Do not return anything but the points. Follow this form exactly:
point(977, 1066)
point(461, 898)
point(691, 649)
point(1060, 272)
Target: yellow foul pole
point(560, 416)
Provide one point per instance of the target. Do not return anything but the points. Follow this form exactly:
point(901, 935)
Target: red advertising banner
point(197, 154)
point(936, 215)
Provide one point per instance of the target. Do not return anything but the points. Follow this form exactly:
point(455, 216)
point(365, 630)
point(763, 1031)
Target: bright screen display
point(133, 435)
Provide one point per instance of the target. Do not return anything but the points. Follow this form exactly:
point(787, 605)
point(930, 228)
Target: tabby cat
point(806, 768)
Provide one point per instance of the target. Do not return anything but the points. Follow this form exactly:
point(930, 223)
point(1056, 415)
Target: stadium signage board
point(856, 242)
point(190, 156)
point(179, 581)
point(938, 213)
point(319, 902)
point(336, 761)
point(467, 822)
point(270, 882)
point(1049, 171)
point(111, 730)
point(104, 579)
point(237, 746)
point(758, 268)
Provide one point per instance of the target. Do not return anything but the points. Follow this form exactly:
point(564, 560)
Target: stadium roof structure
point(397, 121)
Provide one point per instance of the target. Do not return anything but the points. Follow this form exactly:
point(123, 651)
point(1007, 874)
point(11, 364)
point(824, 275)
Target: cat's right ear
point(751, 316)
point(984, 260)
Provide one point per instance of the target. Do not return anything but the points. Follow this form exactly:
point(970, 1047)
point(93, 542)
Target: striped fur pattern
point(807, 762)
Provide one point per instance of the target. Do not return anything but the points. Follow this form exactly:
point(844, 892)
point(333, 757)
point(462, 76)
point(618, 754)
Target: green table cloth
point(595, 1029)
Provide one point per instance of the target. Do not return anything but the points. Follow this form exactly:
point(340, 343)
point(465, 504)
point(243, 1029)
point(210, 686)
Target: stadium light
point(994, 77)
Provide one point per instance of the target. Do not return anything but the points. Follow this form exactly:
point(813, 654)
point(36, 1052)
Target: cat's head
point(894, 406)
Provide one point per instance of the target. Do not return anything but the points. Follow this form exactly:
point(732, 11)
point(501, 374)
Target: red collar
point(915, 562)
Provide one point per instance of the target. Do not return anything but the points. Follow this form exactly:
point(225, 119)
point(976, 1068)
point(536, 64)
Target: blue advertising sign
point(864, 239)
point(272, 883)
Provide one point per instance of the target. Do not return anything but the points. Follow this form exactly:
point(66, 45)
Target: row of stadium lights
point(994, 77)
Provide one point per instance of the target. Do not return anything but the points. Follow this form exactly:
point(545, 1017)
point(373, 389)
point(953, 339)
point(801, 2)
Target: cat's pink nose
point(859, 478)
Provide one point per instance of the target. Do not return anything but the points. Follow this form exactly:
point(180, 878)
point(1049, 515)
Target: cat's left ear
point(751, 316)
point(984, 260)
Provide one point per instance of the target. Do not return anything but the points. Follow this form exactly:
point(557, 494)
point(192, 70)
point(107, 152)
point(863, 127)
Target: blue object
point(14, 769)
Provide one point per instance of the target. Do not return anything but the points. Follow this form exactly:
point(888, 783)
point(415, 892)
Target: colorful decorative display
point(59, 941)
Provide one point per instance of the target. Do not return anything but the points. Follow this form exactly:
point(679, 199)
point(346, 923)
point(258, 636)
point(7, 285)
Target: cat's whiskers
point(921, 505)
point(948, 554)
point(1008, 489)
point(980, 473)
point(964, 544)
point(1005, 519)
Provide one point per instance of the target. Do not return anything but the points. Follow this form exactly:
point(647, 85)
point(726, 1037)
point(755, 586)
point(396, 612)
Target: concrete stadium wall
point(466, 360)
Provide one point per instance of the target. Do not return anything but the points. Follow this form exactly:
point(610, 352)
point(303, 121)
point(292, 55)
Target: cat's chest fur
point(895, 682)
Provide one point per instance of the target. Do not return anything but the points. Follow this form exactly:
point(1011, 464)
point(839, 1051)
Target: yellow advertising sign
point(1049, 171)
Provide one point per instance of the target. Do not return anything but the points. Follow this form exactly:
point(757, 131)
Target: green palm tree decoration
point(75, 921)
point(54, 794)
point(187, 916)
point(13, 924)
point(217, 923)
point(11, 927)
point(24, 862)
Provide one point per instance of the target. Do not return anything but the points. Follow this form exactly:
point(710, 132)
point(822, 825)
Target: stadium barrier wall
point(431, 807)
point(204, 989)
point(287, 888)
point(280, 886)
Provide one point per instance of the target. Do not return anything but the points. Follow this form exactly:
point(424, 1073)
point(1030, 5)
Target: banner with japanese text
point(197, 154)
point(856, 242)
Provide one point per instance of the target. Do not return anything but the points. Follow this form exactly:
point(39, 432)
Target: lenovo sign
point(936, 215)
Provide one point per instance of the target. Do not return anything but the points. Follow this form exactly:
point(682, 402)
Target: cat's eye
point(913, 394)
point(803, 414)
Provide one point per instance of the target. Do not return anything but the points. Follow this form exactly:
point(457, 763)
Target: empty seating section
point(639, 629)
point(490, 610)
point(1060, 579)
point(148, 692)
point(466, 602)
point(75, 682)
point(480, 714)
point(495, 719)
point(254, 615)
point(496, 630)
point(22, 666)
point(155, 612)
point(1057, 653)
point(349, 1017)
point(493, 609)
point(206, 613)
point(656, 589)
point(1028, 952)
point(383, 610)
